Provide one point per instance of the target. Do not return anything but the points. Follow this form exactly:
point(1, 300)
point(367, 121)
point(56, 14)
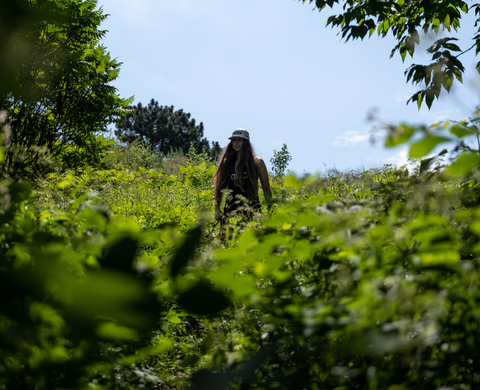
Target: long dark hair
point(227, 164)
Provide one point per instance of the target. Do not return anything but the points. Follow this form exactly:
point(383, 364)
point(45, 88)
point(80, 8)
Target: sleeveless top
point(236, 198)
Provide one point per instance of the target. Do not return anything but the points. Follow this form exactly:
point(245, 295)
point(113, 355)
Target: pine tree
point(164, 128)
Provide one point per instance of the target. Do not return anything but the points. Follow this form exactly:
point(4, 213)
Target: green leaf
point(162, 344)
point(448, 82)
point(429, 98)
point(110, 330)
point(186, 250)
point(425, 146)
point(425, 164)
point(386, 25)
point(415, 36)
point(121, 255)
point(461, 131)
point(202, 299)
point(435, 24)
point(403, 52)
point(464, 164)
point(98, 294)
point(173, 318)
point(446, 22)
point(419, 100)
point(400, 135)
point(453, 47)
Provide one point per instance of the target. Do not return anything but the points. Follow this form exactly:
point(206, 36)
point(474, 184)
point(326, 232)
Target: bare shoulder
point(262, 169)
point(260, 162)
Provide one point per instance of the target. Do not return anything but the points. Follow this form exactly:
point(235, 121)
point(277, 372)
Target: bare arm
point(265, 182)
point(218, 213)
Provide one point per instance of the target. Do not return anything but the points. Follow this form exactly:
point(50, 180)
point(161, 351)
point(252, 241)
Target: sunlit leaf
point(425, 146)
point(110, 330)
point(463, 164)
point(461, 131)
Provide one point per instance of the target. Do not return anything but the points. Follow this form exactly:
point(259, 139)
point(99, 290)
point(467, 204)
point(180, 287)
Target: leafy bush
point(68, 291)
point(357, 280)
point(353, 294)
point(280, 161)
point(132, 156)
point(61, 98)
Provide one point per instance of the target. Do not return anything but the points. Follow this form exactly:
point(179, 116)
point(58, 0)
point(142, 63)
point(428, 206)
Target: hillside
point(115, 277)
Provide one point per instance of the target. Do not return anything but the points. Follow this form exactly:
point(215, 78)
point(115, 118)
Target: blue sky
point(273, 68)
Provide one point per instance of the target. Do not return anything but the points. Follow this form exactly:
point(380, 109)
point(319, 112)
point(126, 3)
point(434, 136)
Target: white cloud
point(400, 159)
point(401, 96)
point(350, 138)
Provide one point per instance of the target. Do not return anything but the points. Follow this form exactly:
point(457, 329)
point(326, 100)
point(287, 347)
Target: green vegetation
point(280, 161)
point(62, 98)
point(113, 274)
point(114, 277)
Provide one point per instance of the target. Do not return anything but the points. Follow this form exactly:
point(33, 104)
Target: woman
point(237, 174)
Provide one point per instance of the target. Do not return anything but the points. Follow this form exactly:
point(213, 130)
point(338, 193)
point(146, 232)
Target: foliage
point(63, 98)
point(17, 23)
point(132, 156)
point(114, 276)
point(77, 307)
point(164, 128)
point(280, 161)
point(406, 21)
point(361, 280)
point(68, 291)
point(369, 293)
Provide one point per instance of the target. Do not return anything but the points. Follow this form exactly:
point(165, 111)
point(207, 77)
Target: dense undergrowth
point(115, 277)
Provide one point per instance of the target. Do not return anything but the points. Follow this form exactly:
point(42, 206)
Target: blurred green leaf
point(187, 250)
point(426, 145)
point(203, 300)
point(463, 164)
point(401, 134)
point(110, 330)
point(173, 318)
point(161, 345)
point(120, 256)
point(425, 164)
point(461, 131)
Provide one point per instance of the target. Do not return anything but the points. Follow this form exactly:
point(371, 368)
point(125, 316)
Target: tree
point(62, 98)
point(164, 128)
point(405, 20)
point(280, 161)
point(16, 26)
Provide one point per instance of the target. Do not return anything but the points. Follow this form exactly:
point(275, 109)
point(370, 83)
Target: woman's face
point(237, 143)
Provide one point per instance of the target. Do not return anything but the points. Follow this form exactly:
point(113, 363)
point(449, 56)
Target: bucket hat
point(241, 133)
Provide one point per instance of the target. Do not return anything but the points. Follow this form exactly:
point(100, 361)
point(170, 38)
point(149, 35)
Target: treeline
point(57, 98)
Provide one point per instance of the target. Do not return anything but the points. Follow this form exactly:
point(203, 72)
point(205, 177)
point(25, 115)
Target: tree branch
point(463, 52)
